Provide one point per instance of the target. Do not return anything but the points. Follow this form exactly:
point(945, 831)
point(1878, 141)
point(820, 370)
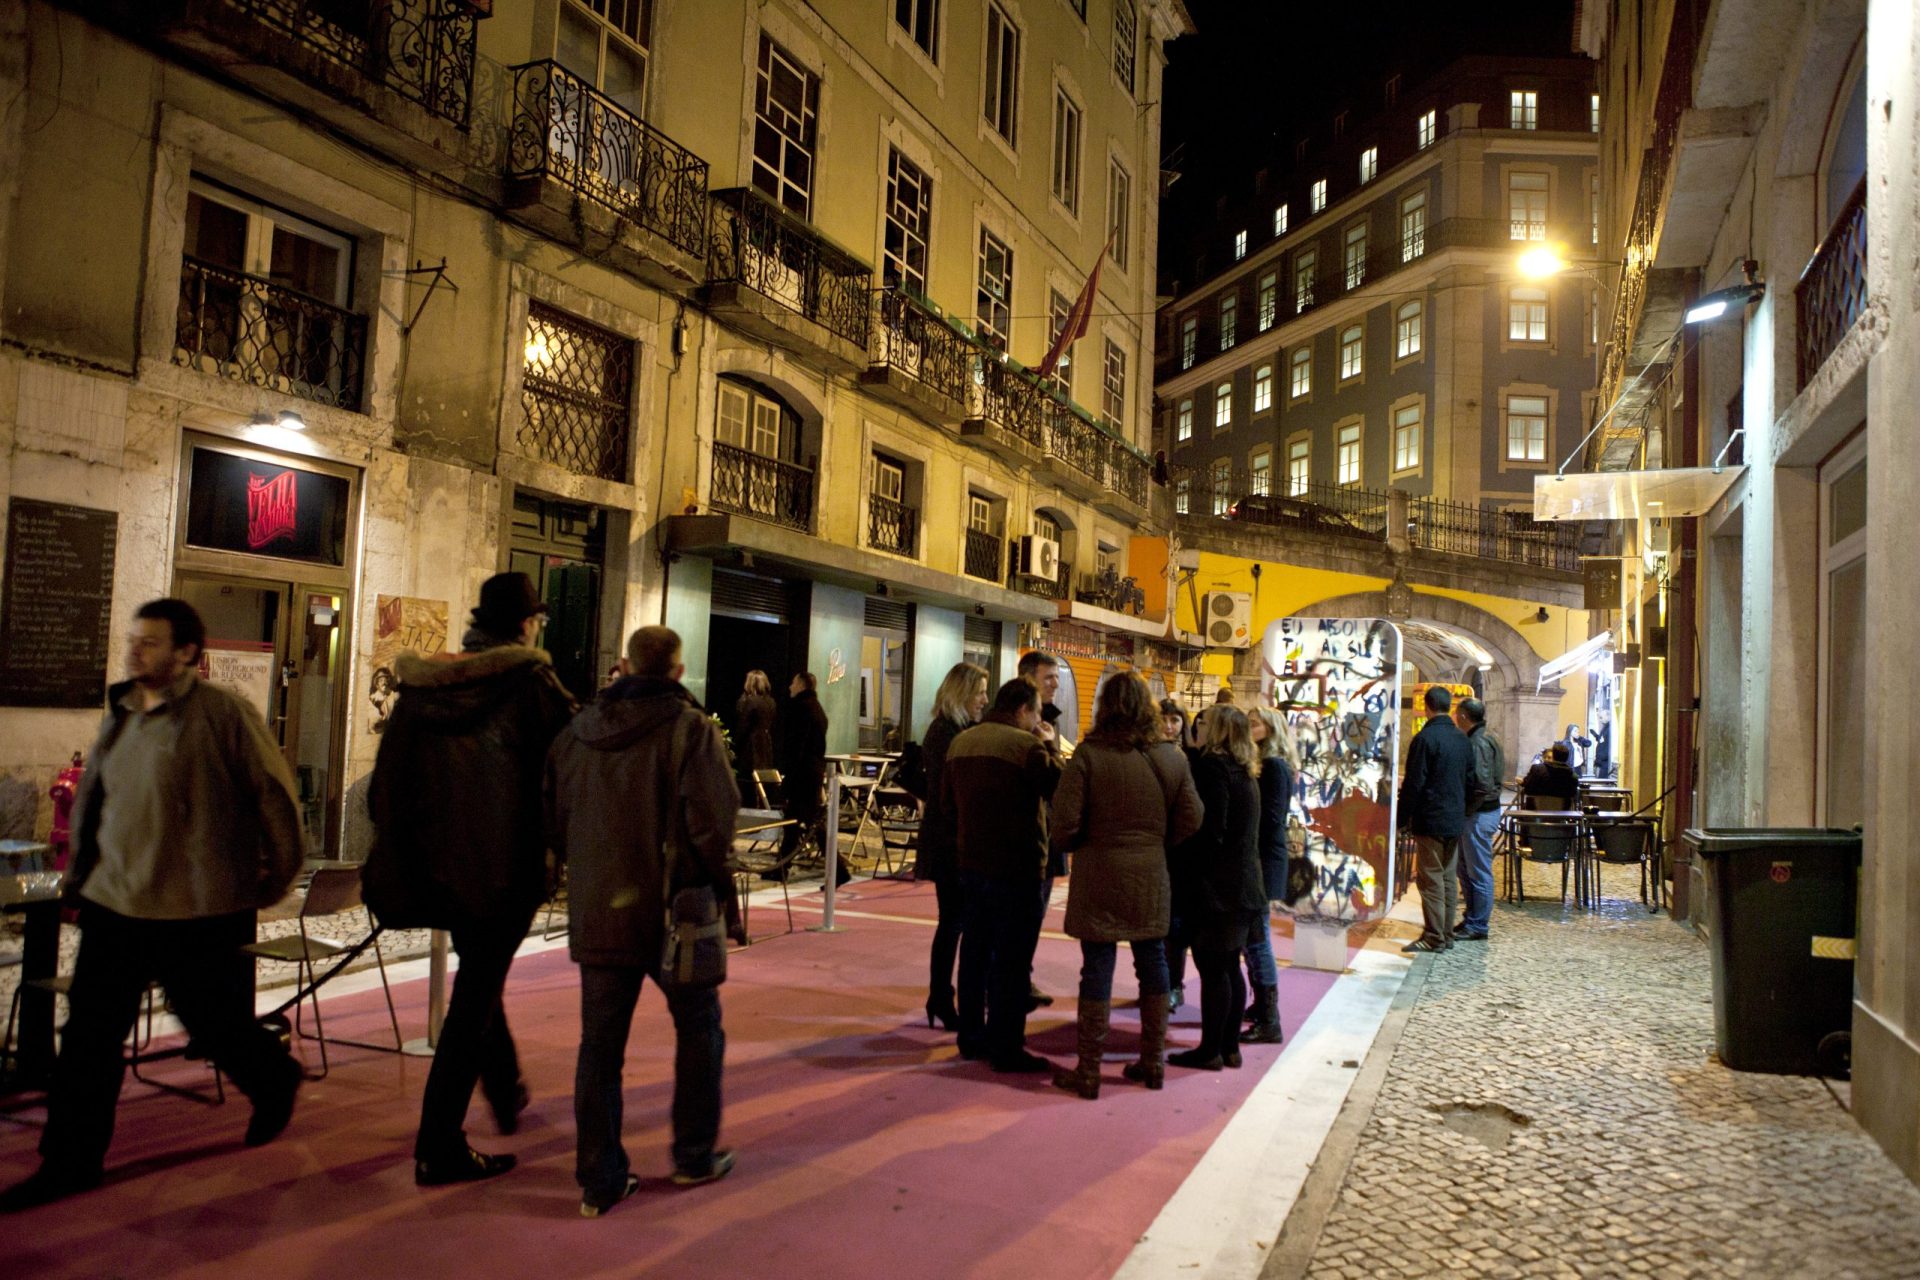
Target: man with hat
point(460, 845)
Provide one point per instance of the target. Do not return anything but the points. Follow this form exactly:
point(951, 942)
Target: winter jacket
point(1489, 770)
point(1118, 809)
point(1551, 786)
point(459, 837)
point(801, 753)
point(935, 856)
point(1217, 888)
point(1276, 793)
point(640, 767)
point(234, 818)
point(755, 713)
point(994, 789)
point(1433, 794)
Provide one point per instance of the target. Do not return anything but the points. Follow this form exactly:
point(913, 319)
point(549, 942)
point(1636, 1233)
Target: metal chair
point(1548, 840)
point(1626, 842)
point(762, 856)
point(899, 816)
point(62, 984)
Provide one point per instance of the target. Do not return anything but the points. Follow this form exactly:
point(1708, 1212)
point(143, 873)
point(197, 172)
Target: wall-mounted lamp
point(1715, 304)
point(286, 420)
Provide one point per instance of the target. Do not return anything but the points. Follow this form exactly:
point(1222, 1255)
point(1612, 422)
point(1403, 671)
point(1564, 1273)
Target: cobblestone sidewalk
point(1553, 1109)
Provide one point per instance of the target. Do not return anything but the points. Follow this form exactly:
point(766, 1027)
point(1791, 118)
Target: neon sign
point(272, 508)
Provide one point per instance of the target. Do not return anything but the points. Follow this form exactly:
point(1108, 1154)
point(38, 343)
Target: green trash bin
point(1782, 907)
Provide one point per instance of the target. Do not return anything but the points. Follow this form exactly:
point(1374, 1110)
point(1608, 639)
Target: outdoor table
point(35, 896)
point(1586, 879)
point(18, 851)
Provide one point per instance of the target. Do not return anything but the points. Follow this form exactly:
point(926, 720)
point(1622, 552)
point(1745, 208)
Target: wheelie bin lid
point(1717, 841)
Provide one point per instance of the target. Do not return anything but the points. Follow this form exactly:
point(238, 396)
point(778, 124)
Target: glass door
point(1839, 779)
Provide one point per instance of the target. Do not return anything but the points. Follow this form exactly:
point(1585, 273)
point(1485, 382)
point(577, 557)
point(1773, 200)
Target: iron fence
point(891, 525)
point(1060, 588)
point(749, 484)
point(567, 131)
point(1128, 473)
point(1512, 537)
point(1008, 399)
point(756, 243)
point(913, 339)
point(258, 332)
point(421, 49)
point(1833, 288)
point(1072, 440)
point(983, 554)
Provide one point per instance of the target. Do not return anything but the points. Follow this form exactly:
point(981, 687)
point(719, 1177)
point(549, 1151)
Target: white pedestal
point(1319, 944)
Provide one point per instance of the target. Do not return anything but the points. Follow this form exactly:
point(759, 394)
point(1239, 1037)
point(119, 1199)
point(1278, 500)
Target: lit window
point(1352, 344)
point(1527, 206)
point(1347, 454)
point(1369, 164)
point(1223, 406)
point(1263, 388)
point(1299, 462)
point(993, 299)
point(1280, 220)
point(1304, 264)
point(1406, 438)
point(1413, 226)
point(1406, 330)
point(605, 43)
point(1593, 204)
point(1113, 388)
point(1593, 318)
point(1259, 471)
point(1593, 113)
point(1183, 421)
point(1527, 315)
point(920, 19)
point(903, 260)
point(1269, 300)
point(1189, 341)
point(1239, 245)
point(1317, 195)
point(1523, 109)
point(1424, 130)
point(1119, 212)
point(1300, 378)
point(1059, 308)
point(1182, 495)
point(1126, 24)
point(1526, 428)
point(1001, 101)
point(1221, 482)
point(1066, 150)
point(1356, 255)
point(1229, 321)
point(786, 120)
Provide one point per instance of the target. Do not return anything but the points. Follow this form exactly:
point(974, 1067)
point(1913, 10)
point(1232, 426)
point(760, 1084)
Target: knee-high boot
point(1151, 1070)
point(1084, 1079)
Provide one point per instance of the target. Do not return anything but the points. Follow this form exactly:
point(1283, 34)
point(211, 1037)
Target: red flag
point(1078, 315)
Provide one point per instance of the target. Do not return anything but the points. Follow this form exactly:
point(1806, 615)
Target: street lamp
point(1715, 304)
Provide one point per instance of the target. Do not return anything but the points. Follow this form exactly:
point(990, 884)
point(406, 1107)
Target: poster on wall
point(245, 667)
point(401, 624)
point(1337, 682)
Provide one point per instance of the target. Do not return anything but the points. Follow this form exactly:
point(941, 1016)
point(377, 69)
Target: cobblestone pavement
point(1553, 1108)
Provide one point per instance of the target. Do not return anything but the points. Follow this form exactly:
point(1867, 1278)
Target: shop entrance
point(562, 547)
point(756, 624)
point(886, 655)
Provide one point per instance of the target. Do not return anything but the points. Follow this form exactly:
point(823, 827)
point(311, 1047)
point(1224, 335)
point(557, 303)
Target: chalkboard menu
point(55, 605)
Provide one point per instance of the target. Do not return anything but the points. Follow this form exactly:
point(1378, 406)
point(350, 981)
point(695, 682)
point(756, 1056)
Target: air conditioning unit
point(1226, 619)
point(1040, 558)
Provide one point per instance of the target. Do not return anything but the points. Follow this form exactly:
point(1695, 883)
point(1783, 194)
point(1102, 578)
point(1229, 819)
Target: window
point(1189, 340)
point(1229, 314)
point(1263, 388)
point(1406, 330)
point(1413, 226)
point(752, 425)
point(1406, 438)
point(1260, 471)
point(1356, 255)
point(1066, 150)
point(1523, 109)
point(1369, 164)
point(1423, 130)
point(1119, 211)
point(605, 43)
point(1593, 317)
point(1300, 379)
point(1352, 344)
point(1299, 463)
point(1183, 496)
point(1593, 205)
point(1279, 219)
point(1526, 428)
point(1183, 421)
point(1126, 25)
point(992, 306)
point(786, 121)
point(980, 513)
point(1304, 264)
point(1527, 206)
point(576, 388)
point(1002, 99)
point(1268, 300)
point(1059, 307)
point(909, 211)
point(1113, 386)
point(891, 522)
point(1317, 195)
point(1527, 314)
point(1221, 484)
point(1239, 245)
point(1593, 113)
point(755, 422)
point(1347, 454)
point(1339, 124)
point(1223, 406)
point(920, 19)
point(1045, 526)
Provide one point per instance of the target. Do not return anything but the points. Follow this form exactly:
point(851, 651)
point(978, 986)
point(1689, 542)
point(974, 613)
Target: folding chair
point(764, 834)
point(62, 984)
point(331, 891)
point(768, 778)
point(899, 813)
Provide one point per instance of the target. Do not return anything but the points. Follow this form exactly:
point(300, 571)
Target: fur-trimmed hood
point(454, 691)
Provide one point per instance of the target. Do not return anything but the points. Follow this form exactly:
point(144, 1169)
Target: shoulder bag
point(693, 949)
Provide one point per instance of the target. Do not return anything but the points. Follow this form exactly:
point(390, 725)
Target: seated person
point(1551, 783)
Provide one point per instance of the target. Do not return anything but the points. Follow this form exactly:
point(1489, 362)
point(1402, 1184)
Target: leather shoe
point(470, 1166)
point(274, 1107)
point(1022, 1063)
point(1195, 1060)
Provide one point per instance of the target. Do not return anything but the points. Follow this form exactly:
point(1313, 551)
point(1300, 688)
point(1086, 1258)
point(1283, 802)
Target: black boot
point(1266, 1021)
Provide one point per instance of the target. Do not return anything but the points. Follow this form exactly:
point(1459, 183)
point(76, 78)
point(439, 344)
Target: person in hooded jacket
point(641, 768)
point(460, 844)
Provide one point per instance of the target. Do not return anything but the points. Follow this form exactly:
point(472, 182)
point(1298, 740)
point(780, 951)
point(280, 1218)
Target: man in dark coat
point(460, 844)
point(801, 756)
point(638, 770)
point(1551, 783)
point(1483, 820)
point(1433, 806)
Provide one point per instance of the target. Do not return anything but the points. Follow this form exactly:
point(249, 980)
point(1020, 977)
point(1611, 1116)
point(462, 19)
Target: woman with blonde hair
point(1125, 795)
point(755, 711)
point(1217, 888)
point(1273, 742)
point(961, 698)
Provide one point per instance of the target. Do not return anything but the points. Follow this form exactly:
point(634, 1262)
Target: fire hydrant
point(65, 784)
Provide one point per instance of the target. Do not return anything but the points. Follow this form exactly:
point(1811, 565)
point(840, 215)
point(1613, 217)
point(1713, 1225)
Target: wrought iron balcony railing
point(756, 243)
point(1061, 588)
point(569, 132)
point(913, 339)
point(1005, 397)
point(984, 555)
point(265, 334)
point(1073, 440)
point(421, 49)
point(1833, 288)
point(891, 525)
point(748, 484)
point(1128, 473)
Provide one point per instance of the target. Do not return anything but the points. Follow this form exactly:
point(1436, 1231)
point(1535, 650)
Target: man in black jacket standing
point(1483, 819)
point(1433, 807)
point(801, 755)
point(460, 844)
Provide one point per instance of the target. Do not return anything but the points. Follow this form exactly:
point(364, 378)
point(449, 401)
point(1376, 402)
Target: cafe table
point(35, 896)
point(1586, 877)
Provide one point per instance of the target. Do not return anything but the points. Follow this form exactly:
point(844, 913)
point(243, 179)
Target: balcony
point(984, 555)
point(919, 362)
point(774, 276)
point(747, 484)
point(891, 525)
point(1124, 482)
point(1007, 412)
point(579, 165)
point(1833, 288)
point(254, 331)
point(1059, 588)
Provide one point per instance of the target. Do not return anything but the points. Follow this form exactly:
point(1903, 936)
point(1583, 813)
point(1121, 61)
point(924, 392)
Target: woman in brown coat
point(1125, 796)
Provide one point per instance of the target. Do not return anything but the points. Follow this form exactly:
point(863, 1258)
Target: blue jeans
point(1097, 960)
point(1476, 870)
point(607, 996)
point(1261, 969)
point(996, 963)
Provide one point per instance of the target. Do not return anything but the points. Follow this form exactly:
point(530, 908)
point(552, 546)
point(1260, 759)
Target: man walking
point(460, 845)
point(1483, 819)
point(1433, 806)
point(184, 825)
point(994, 792)
point(641, 770)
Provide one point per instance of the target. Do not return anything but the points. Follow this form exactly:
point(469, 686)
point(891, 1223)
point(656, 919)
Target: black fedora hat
point(506, 601)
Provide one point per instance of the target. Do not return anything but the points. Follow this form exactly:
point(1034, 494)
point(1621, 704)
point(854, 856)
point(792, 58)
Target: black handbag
point(693, 948)
point(1302, 876)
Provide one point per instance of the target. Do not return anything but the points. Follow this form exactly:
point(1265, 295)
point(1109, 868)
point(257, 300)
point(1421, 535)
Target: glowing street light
point(1540, 262)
